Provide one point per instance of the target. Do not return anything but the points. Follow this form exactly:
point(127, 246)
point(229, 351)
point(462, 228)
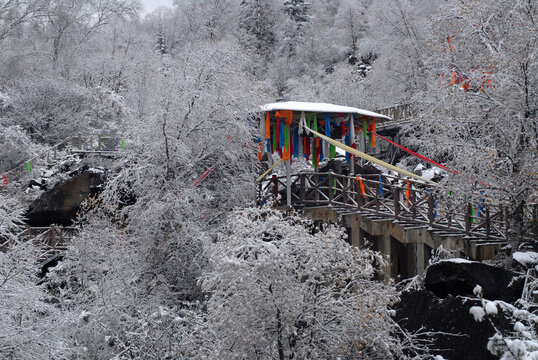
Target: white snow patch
point(459, 261)
point(477, 312)
point(521, 314)
point(491, 308)
point(519, 327)
point(525, 258)
point(96, 170)
point(320, 107)
point(477, 290)
point(428, 174)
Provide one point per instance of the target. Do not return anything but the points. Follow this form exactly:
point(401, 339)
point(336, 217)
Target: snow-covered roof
point(320, 108)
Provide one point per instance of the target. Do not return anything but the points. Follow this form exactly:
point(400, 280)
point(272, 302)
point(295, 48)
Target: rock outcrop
point(60, 204)
point(441, 306)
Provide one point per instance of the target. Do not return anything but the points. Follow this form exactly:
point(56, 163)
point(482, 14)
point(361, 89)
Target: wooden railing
point(404, 200)
point(400, 114)
point(51, 240)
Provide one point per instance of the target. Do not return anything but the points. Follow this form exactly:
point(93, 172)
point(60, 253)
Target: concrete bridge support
point(407, 246)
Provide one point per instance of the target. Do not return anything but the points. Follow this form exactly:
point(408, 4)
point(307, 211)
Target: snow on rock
point(491, 308)
point(521, 314)
point(477, 290)
point(477, 312)
point(526, 259)
point(459, 261)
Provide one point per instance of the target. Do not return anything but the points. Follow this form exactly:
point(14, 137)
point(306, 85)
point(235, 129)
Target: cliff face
point(442, 307)
point(60, 204)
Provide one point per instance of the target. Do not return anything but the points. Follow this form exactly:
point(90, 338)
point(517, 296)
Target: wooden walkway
point(402, 200)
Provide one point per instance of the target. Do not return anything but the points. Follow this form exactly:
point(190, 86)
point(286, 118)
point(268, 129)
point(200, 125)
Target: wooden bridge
point(409, 212)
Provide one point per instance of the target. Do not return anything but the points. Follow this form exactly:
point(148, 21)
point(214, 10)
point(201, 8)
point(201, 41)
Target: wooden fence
point(406, 200)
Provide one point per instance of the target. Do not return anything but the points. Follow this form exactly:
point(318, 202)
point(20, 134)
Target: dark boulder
point(454, 333)
point(60, 204)
point(442, 307)
point(460, 278)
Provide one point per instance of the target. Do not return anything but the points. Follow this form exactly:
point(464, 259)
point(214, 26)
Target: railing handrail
point(418, 202)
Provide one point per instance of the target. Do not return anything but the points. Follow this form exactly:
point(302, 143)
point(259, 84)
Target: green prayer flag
point(332, 151)
point(28, 166)
point(472, 215)
point(334, 187)
point(274, 137)
point(315, 124)
point(364, 129)
point(123, 144)
point(286, 138)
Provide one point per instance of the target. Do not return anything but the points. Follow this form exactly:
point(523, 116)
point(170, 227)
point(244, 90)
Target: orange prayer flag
point(268, 126)
point(408, 191)
point(287, 114)
point(361, 184)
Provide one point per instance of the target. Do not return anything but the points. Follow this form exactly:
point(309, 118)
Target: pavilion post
point(288, 182)
point(352, 138)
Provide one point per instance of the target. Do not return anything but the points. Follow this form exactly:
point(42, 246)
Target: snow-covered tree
point(277, 291)
point(480, 99)
point(30, 323)
point(258, 31)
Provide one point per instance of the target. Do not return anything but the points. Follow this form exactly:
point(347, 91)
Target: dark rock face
point(59, 205)
point(447, 277)
point(443, 307)
point(449, 315)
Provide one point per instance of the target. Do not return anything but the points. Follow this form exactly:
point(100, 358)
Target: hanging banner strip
point(418, 155)
point(447, 169)
point(369, 158)
point(268, 170)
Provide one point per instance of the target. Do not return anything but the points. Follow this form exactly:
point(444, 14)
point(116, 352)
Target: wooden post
point(377, 196)
point(303, 188)
point(396, 196)
point(506, 220)
point(99, 142)
point(488, 229)
point(316, 187)
point(358, 194)
point(274, 179)
point(431, 204)
point(330, 187)
point(352, 138)
point(345, 185)
point(468, 219)
point(52, 242)
point(413, 200)
point(288, 182)
point(79, 141)
point(535, 221)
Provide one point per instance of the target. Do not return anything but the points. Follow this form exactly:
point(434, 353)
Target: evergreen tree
point(298, 11)
point(257, 25)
